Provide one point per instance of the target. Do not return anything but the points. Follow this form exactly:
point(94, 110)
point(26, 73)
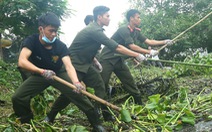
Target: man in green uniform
point(43, 55)
point(89, 19)
point(126, 35)
point(83, 50)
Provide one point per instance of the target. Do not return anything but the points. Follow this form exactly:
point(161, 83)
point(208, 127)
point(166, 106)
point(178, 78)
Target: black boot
point(97, 109)
point(50, 116)
point(48, 120)
point(26, 118)
point(137, 99)
point(93, 118)
point(57, 107)
point(98, 128)
point(107, 115)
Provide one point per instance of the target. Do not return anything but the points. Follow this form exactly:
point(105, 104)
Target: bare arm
point(126, 51)
point(94, 59)
point(154, 42)
point(139, 49)
point(24, 63)
point(70, 69)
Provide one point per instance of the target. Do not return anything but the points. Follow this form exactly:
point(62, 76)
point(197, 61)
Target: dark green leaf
point(125, 115)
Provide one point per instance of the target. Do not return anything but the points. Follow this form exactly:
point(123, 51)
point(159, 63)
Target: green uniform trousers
point(123, 73)
point(34, 85)
point(91, 79)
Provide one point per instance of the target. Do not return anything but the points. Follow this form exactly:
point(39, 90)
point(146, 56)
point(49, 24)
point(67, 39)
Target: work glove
point(79, 87)
point(169, 42)
point(48, 74)
point(140, 58)
point(97, 65)
point(153, 52)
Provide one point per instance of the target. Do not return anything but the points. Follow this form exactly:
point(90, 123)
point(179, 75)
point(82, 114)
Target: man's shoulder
point(33, 36)
point(123, 28)
point(58, 41)
point(90, 28)
point(95, 26)
point(31, 39)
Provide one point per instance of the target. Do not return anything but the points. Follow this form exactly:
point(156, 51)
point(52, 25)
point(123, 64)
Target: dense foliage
point(180, 97)
point(172, 98)
point(18, 18)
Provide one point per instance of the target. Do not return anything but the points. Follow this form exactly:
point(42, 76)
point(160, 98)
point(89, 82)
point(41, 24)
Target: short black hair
point(99, 10)
point(88, 19)
point(49, 19)
point(131, 13)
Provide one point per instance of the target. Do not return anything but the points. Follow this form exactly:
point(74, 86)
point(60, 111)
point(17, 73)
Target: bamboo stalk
point(173, 62)
point(87, 94)
point(186, 30)
point(178, 62)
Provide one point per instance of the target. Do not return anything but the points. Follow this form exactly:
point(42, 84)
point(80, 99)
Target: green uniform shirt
point(86, 44)
point(124, 36)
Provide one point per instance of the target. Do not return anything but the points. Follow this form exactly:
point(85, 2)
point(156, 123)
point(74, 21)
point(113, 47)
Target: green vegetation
point(18, 18)
point(173, 99)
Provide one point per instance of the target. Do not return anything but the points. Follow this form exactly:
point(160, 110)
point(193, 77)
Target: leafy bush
point(9, 74)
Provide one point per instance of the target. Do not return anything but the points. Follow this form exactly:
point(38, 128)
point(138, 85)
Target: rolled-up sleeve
point(141, 38)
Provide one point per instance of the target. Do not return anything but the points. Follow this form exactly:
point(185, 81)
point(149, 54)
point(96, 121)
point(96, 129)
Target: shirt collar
point(131, 30)
point(96, 24)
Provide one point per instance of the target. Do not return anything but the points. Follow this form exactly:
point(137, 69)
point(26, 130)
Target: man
point(83, 50)
point(126, 35)
point(43, 55)
point(89, 19)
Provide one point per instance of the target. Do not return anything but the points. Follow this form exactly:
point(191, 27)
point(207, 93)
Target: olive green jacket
point(124, 36)
point(86, 44)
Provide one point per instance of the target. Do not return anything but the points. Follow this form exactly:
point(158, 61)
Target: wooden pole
point(88, 94)
point(186, 30)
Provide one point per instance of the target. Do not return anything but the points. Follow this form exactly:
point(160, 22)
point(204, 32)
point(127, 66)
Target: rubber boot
point(137, 99)
point(94, 120)
point(26, 118)
point(97, 109)
point(107, 115)
point(57, 107)
point(50, 116)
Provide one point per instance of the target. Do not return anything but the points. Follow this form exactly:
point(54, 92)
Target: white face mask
point(46, 40)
